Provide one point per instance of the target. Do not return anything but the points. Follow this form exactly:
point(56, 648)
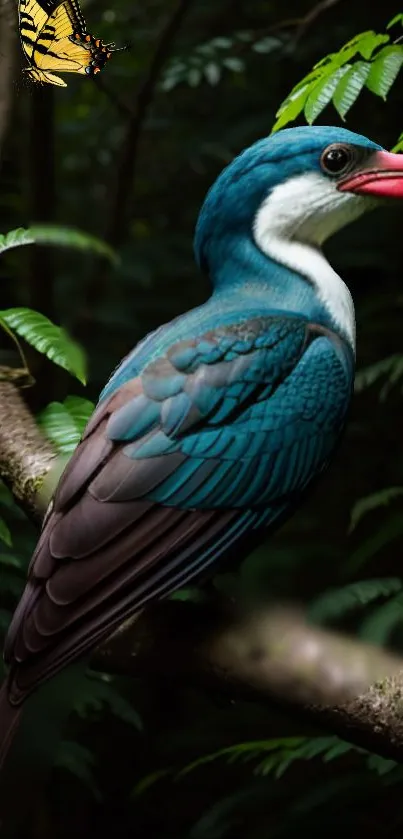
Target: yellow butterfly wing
point(57, 40)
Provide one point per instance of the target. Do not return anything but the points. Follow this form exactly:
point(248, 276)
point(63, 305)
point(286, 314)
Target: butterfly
point(54, 37)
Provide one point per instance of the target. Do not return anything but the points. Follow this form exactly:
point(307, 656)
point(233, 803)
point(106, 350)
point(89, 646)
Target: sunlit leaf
point(399, 145)
point(350, 86)
point(322, 94)
point(384, 70)
point(291, 107)
point(47, 338)
point(396, 19)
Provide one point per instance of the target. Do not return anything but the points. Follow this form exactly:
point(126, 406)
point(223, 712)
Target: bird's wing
point(177, 466)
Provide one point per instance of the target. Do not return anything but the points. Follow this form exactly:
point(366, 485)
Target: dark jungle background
point(134, 170)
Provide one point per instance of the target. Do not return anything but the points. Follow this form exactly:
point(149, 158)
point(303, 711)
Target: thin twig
point(143, 100)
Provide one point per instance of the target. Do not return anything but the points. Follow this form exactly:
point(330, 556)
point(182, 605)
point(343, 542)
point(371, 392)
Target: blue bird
point(211, 430)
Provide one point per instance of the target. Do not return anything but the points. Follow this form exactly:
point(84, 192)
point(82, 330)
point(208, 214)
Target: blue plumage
point(213, 427)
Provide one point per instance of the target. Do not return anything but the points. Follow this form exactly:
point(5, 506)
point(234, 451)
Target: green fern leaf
point(79, 761)
point(381, 765)
point(5, 534)
point(392, 367)
point(47, 338)
point(64, 423)
point(392, 529)
point(243, 751)
point(98, 693)
point(59, 236)
point(350, 86)
point(322, 94)
point(338, 601)
point(373, 502)
point(378, 627)
point(384, 70)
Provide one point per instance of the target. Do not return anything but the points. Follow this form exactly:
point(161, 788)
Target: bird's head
point(301, 185)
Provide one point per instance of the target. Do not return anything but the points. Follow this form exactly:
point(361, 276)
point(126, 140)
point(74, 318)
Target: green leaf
point(59, 236)
point(11, 561)
point(381, 765)
point(5, 534)
point(234, 64)
point(149, 781)
point(96, 694)
point(378, 626)
point(47, 338)
point(266, 45)
point(243, 751)
point(384, 70)
point(212, 73)
point(194, 77)
point(322, 94)
point(392, 529)
point(392, 367)
point(396, 19)
point(350, 86)
point(64, 423)
point(5, 618)
point(369, 42)
point(79, 761)
point(291, 107)
point(373, 502)
point(398, 147)
point(338, 601)
point(11, 583)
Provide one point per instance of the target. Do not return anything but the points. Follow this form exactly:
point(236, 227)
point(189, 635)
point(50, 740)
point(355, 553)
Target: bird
point(212, 429)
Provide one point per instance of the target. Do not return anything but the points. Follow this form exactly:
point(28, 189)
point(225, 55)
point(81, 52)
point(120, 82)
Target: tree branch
point(143, 100)
point(352, 688)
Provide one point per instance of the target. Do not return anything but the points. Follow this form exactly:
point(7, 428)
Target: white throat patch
point(290, 227)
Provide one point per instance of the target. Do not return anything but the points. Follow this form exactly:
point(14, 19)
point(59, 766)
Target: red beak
point(383, 178)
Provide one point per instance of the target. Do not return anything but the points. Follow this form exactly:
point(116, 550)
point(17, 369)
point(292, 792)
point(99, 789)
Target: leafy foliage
point(57, 236)
point(336, 602)
point(208, 61)
point(64, 422)
point(339, 79)
point(47, 338)
point(373, 502)
point(391, 368)
point(101, 692)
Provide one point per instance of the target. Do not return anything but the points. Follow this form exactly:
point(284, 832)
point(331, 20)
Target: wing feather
point(177, 468)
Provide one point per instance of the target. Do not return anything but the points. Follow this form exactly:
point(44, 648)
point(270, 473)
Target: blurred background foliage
point(128, 159)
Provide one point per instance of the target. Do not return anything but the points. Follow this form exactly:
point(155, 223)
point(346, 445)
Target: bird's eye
point(336, 159)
